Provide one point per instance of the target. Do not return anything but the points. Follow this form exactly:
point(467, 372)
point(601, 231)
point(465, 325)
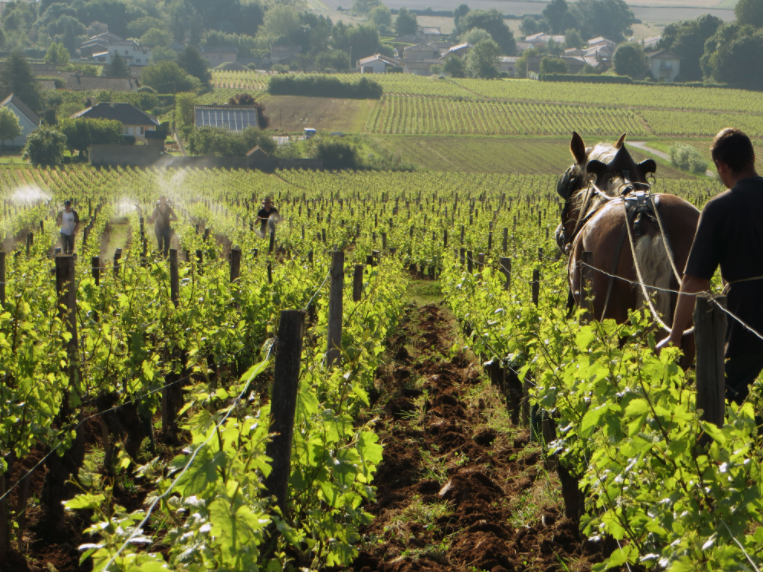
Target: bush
point(129, 140)
point(687, 158)
point(146, 89)
point(217, 142)
point(82, 133)
point(324, 86)
point(45, 147)
point(336, 155)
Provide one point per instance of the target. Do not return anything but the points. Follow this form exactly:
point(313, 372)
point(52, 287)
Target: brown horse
point(593, 220)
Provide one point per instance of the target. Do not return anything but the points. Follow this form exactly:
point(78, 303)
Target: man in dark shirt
point(730, 234)
point(265, 213)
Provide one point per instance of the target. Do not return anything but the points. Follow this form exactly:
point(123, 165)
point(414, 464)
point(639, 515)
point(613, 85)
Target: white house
point(664, 65)
point(376, 64)
point(127, 49)
point(28, 120)
point(508, 65)
point(541, 39)
point(460, 50)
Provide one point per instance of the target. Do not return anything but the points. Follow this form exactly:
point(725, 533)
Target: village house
point(129, 50)
point(28, 119)
point(664, 66)
point(135, 121)
point(429, 33)
point(376, 64)
point(459, 50)
point(216, 55)
point(508, 65)
point(421, 52)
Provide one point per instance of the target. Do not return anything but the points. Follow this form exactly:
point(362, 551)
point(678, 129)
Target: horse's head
point(606, 166)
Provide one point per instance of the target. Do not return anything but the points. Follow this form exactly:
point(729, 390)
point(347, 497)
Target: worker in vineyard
point(267, 211)
point(162, 216)
point(729, 234)
point(68, 220)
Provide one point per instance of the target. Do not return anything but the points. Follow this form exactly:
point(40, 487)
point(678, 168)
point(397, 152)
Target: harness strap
point(616, 260)
point(665, 240)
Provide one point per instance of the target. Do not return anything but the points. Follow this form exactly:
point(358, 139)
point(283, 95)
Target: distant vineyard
point(419, 115)
point(246, 80)
point(695, 123)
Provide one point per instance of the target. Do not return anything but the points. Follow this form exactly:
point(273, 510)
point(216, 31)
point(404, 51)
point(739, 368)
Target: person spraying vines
point(268, 215)
point(68, 220)
point(162, 216)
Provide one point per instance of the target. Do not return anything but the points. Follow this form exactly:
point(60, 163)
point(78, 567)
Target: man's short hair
point(733, 148)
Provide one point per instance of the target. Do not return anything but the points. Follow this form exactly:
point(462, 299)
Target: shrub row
point(324, 86)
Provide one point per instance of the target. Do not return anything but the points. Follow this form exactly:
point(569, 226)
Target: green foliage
point(454, 66)
point(687, 39)
point(191, 61)
point(406, 22)
point(168, 77)
point(57, 55)
point(82, 133)
point(492, 22)
point(336, 154)
point(184, 114)
point(482, 59)
point(117, 68)
point(16, 78)
point(218, 142)
point(364, 7)
point(630, 60)
point(475, 36)
point(156, 37)
point(688, 158)
point(573, 39)
point(10, 128)
point(553, 65)
point(45, 147)
point(749, 13)
point(324, 86)
point(609, 18)
point(734, 55)
point(335, 59)
point(381, 18)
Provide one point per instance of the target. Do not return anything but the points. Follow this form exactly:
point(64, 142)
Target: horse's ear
point(595, 167)
point(577, 148)
point(648, 166)
point(620, 141)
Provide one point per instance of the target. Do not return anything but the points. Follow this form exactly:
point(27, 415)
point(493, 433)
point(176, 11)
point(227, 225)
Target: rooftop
point(22, 107)
point(232, 117)
point(125, 113)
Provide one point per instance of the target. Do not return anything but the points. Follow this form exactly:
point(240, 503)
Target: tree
point(184, 114)
point(573, 39)
point(336, 155)
point(454, 66)
point(553, 65)
point(522, 60)
point(168, 77)
point(459, 13)
point(558, 16)
point(117, 68)
point(335, 59)
point(16, 77)
point(154, 37)
point(749, 13)
point(687, 39)
point(492, 22)
point(406, 23)
point(381, 17)
point(45, 147)
point(734, 55)
point(81, 133)
point(57, 55)
point(280, 20)
point(609, 18)
point(363, 7)
point(191, 61)
point(482, 59)
point(10, 128)
point(630, 60)
point(531, 26)
point(475, 36)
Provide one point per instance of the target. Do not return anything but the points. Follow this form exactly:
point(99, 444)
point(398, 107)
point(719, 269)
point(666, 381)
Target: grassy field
point(533, 156)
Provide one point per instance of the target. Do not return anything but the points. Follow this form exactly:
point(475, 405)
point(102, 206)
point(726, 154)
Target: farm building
point(130, 50)
point(508, 65)
point(376, 64)
point(459, 50)
point(135, 121)
point(664, 65)
point(28, 119)
point(217, 55)
point(421, 52)
point(231, 117)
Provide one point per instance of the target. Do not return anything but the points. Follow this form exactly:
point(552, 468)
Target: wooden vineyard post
point(462, 234)
point(334, 351)
point(370, 260)
point(29, 242)
point(586, 279)
point(536, 286)
point(284, 403)
point(67, 296)
point(357, 282)
point(445, 238)
point(505, 239)
point(480, 264)
point(2, 279)
point(710, 336)
point(272, 243)
point(174, 278)
point(270, 272)
point(489, 240)
point(95, 269)
point(384, 241)
point(235, 264)
point(117, 256)
point(469, 262)
point(506, 269)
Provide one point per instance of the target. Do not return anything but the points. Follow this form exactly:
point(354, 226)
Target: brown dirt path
point(459, 488)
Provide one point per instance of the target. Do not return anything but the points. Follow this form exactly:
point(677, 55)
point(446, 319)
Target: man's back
point(730, 234)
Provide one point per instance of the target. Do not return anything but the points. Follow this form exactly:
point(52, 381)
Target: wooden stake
point(357, 282)
point(235, 264)
point(66, 287)
point(283, 403)
point(506, 269)
point(335, 309)
point(174, 278)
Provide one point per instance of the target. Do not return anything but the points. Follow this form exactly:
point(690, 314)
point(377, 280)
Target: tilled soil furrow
point(458, 489)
